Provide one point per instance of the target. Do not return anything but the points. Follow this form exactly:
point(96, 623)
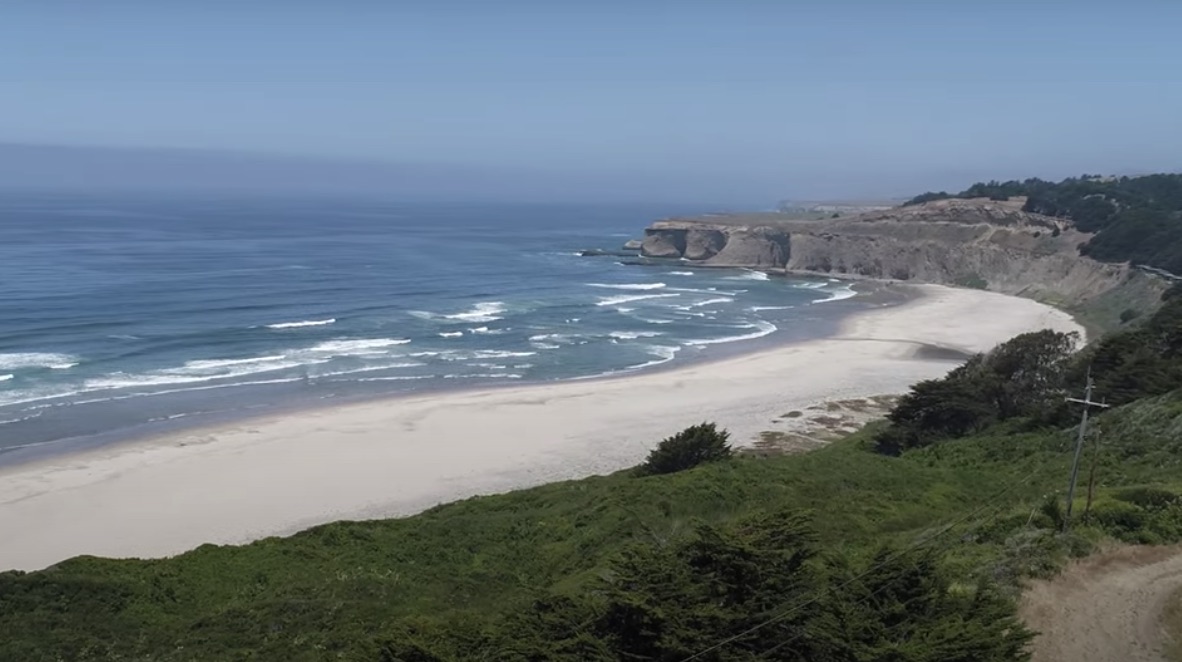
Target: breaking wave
point(762, 329)
point(629, 286)
point(626, 298)
point(838, 295)
point(633, 335)
point(300, 325)
point(749, 275)
point(488, 311)
point(711, 302)
point(26, 360)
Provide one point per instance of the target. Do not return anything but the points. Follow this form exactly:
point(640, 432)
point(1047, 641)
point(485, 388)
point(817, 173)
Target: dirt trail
point(1105, 608)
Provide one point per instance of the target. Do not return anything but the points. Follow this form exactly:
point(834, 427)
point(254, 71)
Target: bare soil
point(1107, 608)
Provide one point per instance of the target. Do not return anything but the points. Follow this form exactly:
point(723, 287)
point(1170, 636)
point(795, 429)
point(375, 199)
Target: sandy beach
point(276, 475)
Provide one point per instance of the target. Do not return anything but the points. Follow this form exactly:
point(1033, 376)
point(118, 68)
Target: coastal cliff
point(974, 243)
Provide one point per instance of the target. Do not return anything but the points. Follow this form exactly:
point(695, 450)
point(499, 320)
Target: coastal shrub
point(1122, 520)
point(1140, 514)
point(1024, 376)
point(692, 446)
point(935, 409)
point(1036, 552)
point(972, 281)
point(730, 592)
point(1148, 497)
point(1139, 362)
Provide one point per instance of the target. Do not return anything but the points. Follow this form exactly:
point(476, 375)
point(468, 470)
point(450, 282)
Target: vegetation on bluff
point(1138, 219)
point(1028, 378)
point(1024, 377)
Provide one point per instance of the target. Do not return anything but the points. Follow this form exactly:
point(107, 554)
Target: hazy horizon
point(740, 104)
point(97, 169)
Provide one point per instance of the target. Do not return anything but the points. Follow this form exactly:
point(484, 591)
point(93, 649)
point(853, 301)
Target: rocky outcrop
point(754, 248)
point(973, 243)
point(664, 241)
point(633, 245)
point(717, 245)
point(703, 244)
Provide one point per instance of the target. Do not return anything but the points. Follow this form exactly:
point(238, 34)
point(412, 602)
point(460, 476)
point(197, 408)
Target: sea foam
point(838, 295)
point(214, 364)
point(626, 298)
point(711, 302)
point(633, 335)
point(487, 311)
point(176, 376)
point(300, 325)
point(663, 353)
point(25, 360)
point(749, 275)
point(372, 368)
point(361, 346)
point(762, 329)
point(498, 354)
point(629, 286)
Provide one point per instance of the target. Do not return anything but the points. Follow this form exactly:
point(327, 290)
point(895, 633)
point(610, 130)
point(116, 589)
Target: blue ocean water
point(120, 315)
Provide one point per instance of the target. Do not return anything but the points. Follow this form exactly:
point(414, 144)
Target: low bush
point(687, 449)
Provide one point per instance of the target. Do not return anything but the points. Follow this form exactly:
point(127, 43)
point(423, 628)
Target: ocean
point(127, 315)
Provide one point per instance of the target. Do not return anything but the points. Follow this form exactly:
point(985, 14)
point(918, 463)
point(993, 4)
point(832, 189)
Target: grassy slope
point(1141, 294)
point(335, 588)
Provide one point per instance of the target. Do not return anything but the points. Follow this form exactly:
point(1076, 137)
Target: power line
point(1079, 444)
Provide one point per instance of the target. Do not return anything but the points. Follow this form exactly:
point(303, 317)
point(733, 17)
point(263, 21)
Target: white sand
point(277, 475)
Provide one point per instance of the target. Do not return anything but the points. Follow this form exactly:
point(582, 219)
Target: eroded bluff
point(975, 243)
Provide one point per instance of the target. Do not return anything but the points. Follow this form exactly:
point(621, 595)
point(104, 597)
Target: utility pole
point(1092, 474)
point(1079, 442)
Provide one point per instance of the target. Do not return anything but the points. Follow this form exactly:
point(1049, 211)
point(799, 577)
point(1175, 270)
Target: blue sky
point(729, 101)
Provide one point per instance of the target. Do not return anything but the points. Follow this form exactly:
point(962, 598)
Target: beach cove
point(275, 475)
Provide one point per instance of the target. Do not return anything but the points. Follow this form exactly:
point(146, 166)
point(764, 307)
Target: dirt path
point(1105, 608)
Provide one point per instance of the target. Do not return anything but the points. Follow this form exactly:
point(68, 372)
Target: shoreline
point(398, 455)
point(879, 293)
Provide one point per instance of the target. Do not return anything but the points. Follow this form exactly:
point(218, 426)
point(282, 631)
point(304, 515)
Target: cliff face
point(974, 243)
point(755, 247)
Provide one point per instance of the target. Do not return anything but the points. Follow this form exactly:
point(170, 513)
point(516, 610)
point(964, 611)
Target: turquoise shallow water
point(121, 315)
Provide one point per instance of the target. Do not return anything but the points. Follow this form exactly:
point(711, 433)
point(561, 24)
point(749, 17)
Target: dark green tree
point(692, 446)
point(1024, 376)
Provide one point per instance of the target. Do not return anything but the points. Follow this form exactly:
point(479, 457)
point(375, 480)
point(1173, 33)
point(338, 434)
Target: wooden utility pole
point(1092, 475)
point(1079, 442)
